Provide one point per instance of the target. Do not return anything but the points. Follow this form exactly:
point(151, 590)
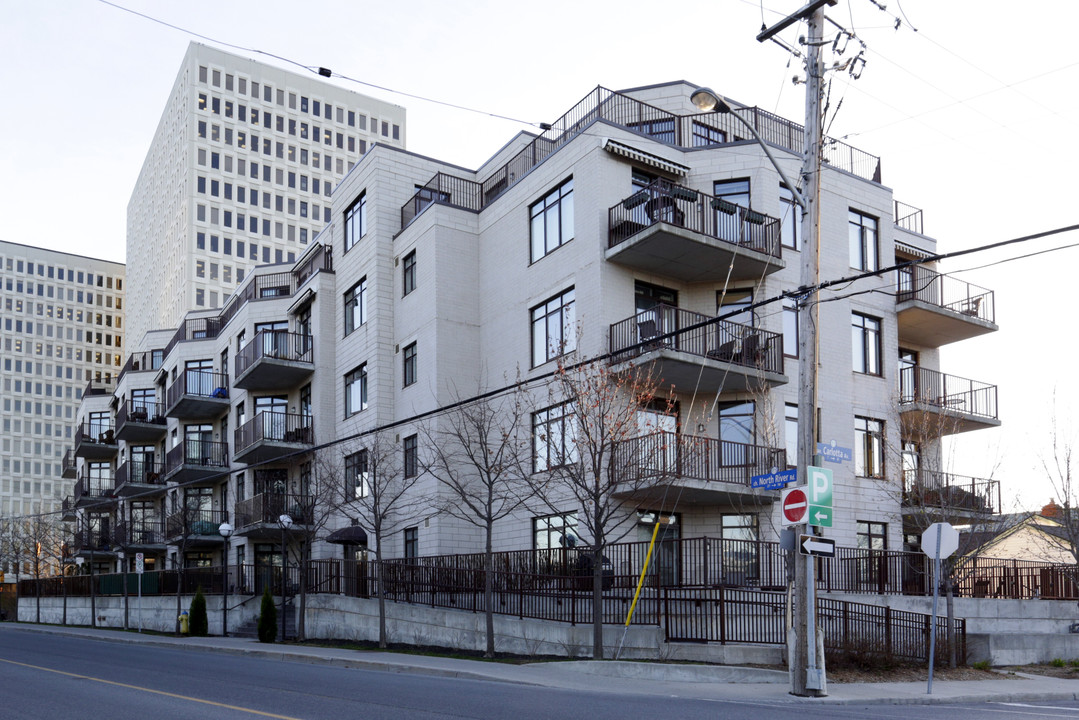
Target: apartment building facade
point(239, 174)
point(635, 230)
point(63, 327)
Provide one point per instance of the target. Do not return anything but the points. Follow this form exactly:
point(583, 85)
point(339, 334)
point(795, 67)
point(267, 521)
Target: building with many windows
point(635, 231)
point(239, 174)
point(62, 329)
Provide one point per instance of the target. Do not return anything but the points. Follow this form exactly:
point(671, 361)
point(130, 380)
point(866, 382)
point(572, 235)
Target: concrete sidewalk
point(735, 684)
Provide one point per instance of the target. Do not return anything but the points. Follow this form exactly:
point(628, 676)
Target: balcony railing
point(930, 489)
point(266, 508)
point(140, 472)
point(667, 455)
point(141, 411)
point(143, 362)
point(667, 327)
point(200, 384)
point(94, 489)
point(908, 217)
point(143, 531)
point(95, 433)
point(924, 285)
point(194, 521)
point(68, 465)
point(918, 385)
point(683, 207)
point(697, 130)
point(92, 539)
point(204, 453)
point(274, 427)
point(275, 344)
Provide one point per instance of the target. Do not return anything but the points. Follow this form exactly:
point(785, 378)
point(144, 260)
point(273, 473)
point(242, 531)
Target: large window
point(865, 343)
point(355, 221)
point(412, 543)
point(790, 327)
point(790, 433)
point(356, 390)
point(357, 475)
point(868, 447)
point(554, 531)
point(411, 458)
point(554, 325)
point(790, 224)
point(729, 225)
point(872, 537)
point(409, 364)
point(356, 306)
point(553, 437)
point(864, 251)
point(552, 220)
point(408, 273)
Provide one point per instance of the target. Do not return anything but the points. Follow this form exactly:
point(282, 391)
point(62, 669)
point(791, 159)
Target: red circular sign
point(795, 505)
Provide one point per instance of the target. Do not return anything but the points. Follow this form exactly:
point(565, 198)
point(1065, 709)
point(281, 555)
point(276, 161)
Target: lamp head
point(707, 100)
point(225, 530)
point(285, 521)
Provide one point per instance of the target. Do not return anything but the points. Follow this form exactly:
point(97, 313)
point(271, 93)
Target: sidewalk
point(688, 681)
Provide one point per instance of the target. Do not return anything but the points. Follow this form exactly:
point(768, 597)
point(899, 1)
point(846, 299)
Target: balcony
point(271, 435)
point(67, 510)
point(95, 441)
point(934, 309)
point(692, 350)
point(932, 404)
point(146, 533)
point(274, 360)
point(949, 496)
point(68, 466)
point(198, 394)
point(97, 541)
point(677, 232)
point(195, 527)
point(197, 462)
point(138, 421)
point(256, 517)
point(140, 477)
point(94, 491)
point(698, 470)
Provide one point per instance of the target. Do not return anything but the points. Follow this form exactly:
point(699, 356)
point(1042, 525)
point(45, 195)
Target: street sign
point(833, 453)
point(139, 563)
point(774, 480)
point(819, 491)
point(794, 504)
point(816, 546)
point(949, 540)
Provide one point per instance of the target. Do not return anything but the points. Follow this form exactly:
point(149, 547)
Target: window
point(553, 328)
point(864, 253)
point(410, 364)
point(355, 221)
point(790, 327)
point(729, 220)
point(705, 135)
point(356, 306)
point(356, 391)
point(790, 223)
point(408, 273)
point(872, 538)
point(552, 220)
point(554, 531)
point(868, 447)
point(865, 344)
point(357, 475)
point(741, 533)
point(411, 459)
point(790, 433)
point(412, 543)
point(554, 437)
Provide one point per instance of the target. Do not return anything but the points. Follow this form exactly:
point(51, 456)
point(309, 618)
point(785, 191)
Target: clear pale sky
point(974, 116)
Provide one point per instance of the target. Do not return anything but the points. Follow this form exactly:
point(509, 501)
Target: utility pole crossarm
point(786, 22)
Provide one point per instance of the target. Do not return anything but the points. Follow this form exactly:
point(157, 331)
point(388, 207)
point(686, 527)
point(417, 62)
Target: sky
point(970, 104)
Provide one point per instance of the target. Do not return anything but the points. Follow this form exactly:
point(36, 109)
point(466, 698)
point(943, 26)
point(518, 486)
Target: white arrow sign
point(812, 545)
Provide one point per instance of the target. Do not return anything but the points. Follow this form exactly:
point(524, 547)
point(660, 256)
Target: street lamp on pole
point(285, 521)
point(226, 533)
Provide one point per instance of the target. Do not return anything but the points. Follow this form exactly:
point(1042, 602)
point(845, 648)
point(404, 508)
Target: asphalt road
point(45, 677)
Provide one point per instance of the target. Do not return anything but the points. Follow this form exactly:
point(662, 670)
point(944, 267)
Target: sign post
point(140, 566)
point(939, 541)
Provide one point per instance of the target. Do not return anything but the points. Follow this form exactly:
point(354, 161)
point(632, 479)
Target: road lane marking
point(151, 690)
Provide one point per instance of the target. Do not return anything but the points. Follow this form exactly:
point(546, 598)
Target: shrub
point(200, 626)
point(981, 665)
point(267, 618)
point(1057, 662)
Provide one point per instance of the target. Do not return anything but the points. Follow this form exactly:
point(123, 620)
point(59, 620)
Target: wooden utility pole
point(807, 679)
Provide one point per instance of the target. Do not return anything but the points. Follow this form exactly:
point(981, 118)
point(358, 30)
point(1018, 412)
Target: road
point(46, 676)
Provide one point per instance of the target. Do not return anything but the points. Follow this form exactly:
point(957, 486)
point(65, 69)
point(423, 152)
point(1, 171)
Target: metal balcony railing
point(141, 411)
point(924, 285)
point(194, 521)
point(274, 427)
point(933, 489)
point(276, 344)
point(140, 471)
point(266, 508)
point(192, 451)
point(668, 455)
point(918, 385)
point(908, 217)
point(199, 383)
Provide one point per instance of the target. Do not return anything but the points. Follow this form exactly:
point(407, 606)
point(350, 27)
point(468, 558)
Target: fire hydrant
point(185, 624)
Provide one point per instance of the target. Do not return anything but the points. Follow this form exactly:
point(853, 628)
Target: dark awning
point(352, 535)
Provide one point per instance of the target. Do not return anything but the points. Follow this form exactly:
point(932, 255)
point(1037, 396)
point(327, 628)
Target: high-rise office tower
point(239, 174)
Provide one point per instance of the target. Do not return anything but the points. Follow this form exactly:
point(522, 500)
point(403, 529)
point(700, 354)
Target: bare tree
point(480, 453)
point(599, 459)
point(1059, 466)
point(312, 511)
point(40, 536)
point(378, 479)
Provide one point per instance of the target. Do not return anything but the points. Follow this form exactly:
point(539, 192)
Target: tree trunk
point(489, 594)
point(381, 595)
point(597, 604)
point(300, 625)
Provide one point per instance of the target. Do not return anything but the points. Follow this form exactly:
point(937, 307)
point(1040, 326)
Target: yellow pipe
point(640, 580)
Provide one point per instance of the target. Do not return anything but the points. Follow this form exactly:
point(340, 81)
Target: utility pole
point(807, 680)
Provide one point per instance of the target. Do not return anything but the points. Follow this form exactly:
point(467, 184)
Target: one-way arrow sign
point(816, 546)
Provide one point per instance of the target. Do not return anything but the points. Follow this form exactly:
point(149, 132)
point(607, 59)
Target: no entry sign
point(794, 504)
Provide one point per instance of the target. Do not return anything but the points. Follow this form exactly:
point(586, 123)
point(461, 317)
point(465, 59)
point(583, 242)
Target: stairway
point(250, 629)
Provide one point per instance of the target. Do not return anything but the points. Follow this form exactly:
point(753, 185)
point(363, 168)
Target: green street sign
point(819, 492)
